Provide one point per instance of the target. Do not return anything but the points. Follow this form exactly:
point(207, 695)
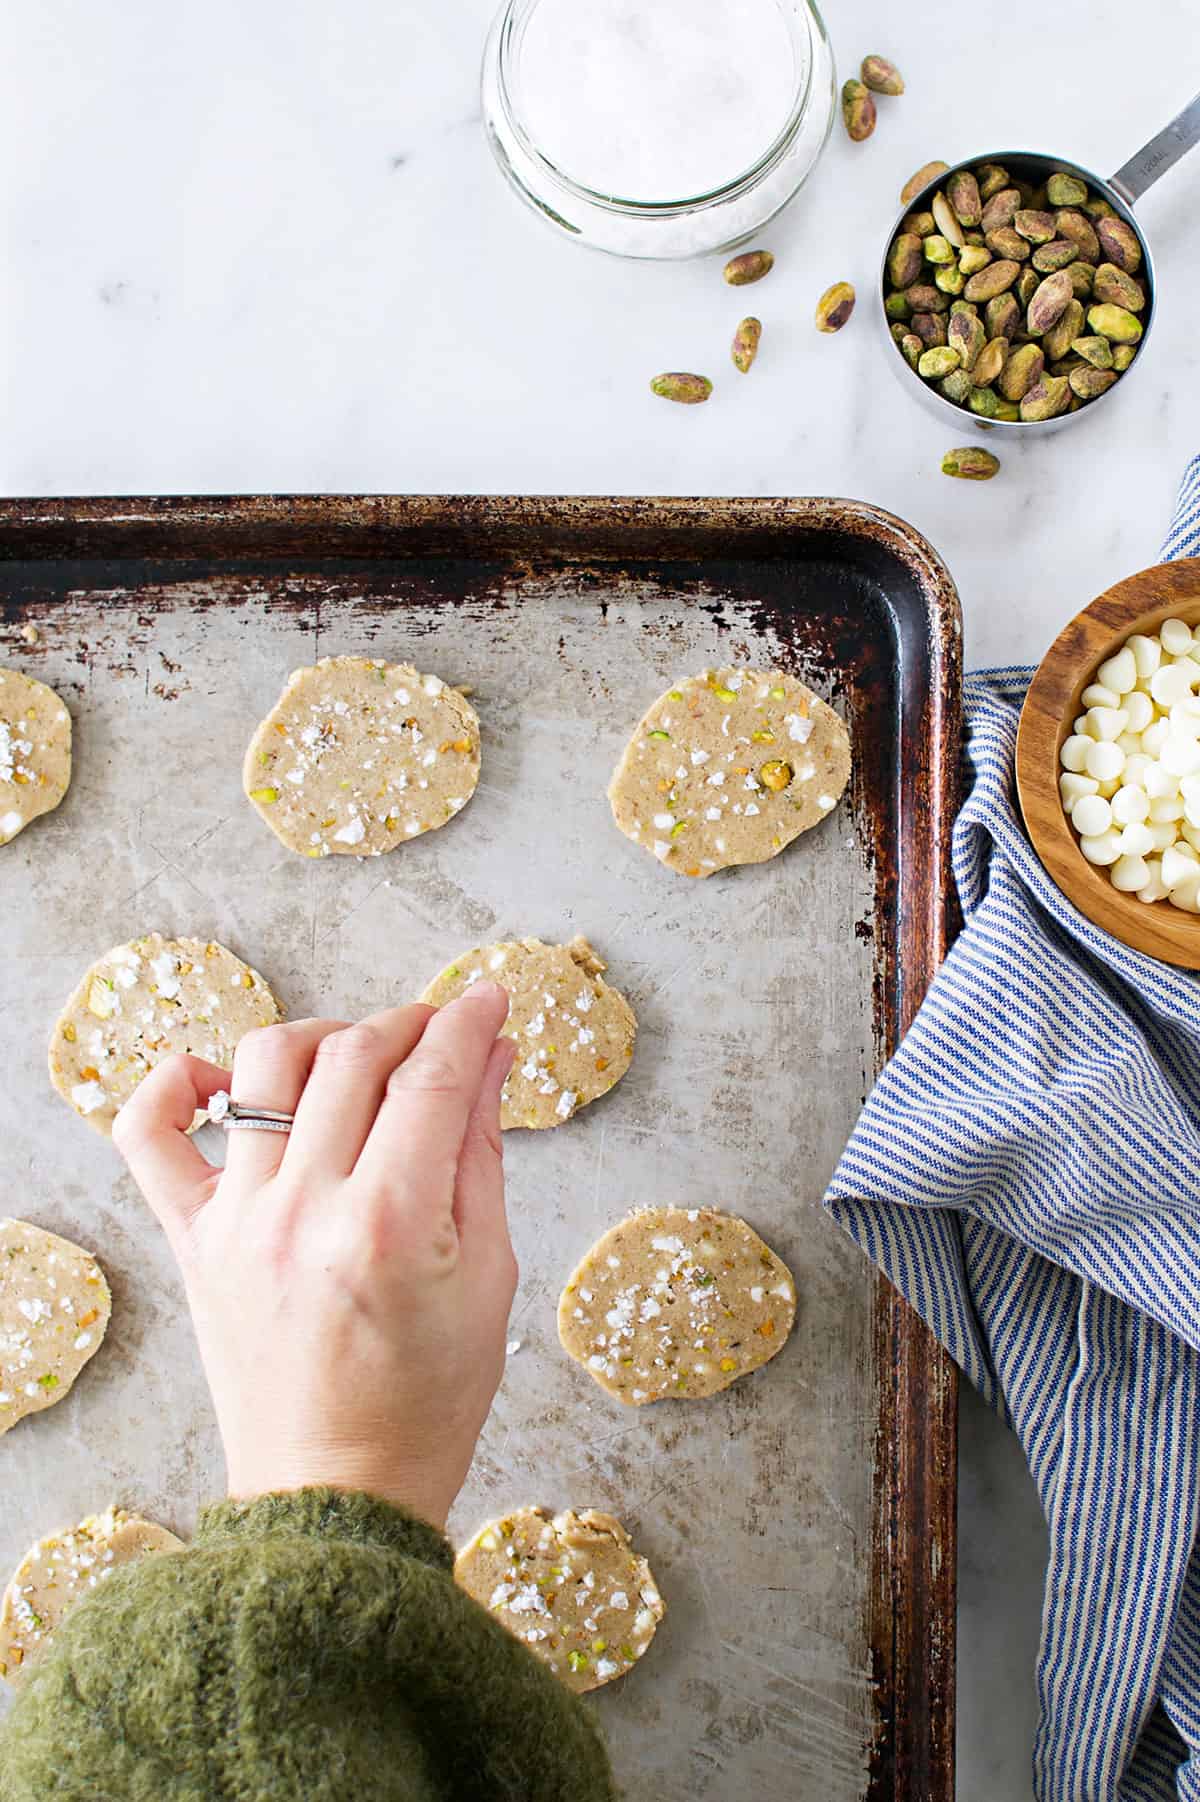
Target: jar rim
point(802, 14)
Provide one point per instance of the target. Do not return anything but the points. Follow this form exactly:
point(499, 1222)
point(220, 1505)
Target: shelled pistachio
point(682, 386)
point(921, 178)
point(858, 110)
point(881, 76)
point(973, 464)
point(745, 344)
point(835, 307)
point(749, 266)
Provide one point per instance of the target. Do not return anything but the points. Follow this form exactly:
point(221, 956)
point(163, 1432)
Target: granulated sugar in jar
point(660, 129)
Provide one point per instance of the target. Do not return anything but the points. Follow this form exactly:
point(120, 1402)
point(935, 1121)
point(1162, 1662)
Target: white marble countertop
point(264, 247)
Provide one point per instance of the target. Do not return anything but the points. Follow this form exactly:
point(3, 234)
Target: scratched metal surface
point(757, 1039)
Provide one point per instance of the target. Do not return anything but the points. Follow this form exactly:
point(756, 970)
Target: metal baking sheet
point(801, 1525)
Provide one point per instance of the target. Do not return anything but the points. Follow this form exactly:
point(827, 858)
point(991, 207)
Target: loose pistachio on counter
point(745, 344)
point(749, 266)
point(682, 386)
point(835, 307)
point(858, 110)
point(881, 76)
point(973, 464)
point(1024, 294)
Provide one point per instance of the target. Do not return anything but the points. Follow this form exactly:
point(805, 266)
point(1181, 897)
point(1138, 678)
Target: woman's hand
point(350, 1282)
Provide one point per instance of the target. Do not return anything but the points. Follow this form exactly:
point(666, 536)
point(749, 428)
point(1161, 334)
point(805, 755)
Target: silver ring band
point(247, 1116)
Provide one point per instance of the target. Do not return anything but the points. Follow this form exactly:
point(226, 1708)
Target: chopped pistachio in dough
point(570, 1586)
point(35, 751)
point(676, 1303)
point(54, 1312)
point(574, 1034)
point(729, 767)
point(358, 756)
point(140, 1003)
point(61, 1570)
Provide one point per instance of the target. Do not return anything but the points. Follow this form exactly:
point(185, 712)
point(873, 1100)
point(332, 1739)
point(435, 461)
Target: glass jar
point(658, 128)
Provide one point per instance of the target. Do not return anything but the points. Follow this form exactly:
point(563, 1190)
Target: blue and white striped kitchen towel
point(1027, 1172)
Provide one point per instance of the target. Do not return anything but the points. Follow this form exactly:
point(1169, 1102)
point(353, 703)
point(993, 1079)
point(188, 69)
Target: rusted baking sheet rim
point(913, 1578)
point(356, 525)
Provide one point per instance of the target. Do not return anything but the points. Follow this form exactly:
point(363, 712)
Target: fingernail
point(484, 991)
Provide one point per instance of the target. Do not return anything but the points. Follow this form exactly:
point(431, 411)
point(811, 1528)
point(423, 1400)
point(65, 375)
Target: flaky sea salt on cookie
point(570, 1586)
point(574, 1033)
point(729, 767)
point(54, 1312)
point(63, 1569)
point(358, 755)
point(35, 751)
point(676, 1303)
point(140, 1003)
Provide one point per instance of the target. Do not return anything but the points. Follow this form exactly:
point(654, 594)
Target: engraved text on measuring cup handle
point(1165, 148)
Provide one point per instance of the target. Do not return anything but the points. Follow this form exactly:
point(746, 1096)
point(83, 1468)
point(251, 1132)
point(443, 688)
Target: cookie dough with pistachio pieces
point(728, 768)
point(676, 1303)
point(54, 1313)
point(574, 1033)
point(570, 1586)
point(358, 756)
point(35, 751)
point(61, 1570)
point(140, 1003)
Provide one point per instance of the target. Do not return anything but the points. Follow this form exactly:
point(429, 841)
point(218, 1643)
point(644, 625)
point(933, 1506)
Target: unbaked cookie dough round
point(570, 1586)
point(676, 1303)
point(54, 1312)
point(35, 751)
point(140, 1003)
point(729, 767)
point(61, 1570)
point(359, 755)
point(574, 1033)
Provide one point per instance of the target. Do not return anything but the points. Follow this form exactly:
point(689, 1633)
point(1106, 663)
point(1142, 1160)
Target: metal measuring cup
point(1120, 191)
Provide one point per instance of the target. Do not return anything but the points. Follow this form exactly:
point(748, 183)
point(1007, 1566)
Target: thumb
point(151, 1133)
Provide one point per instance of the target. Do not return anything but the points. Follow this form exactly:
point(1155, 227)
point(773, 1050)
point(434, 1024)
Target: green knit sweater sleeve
point(312, 1646)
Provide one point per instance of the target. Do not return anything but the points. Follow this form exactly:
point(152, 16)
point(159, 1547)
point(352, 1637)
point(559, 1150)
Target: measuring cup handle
point(1153, 159)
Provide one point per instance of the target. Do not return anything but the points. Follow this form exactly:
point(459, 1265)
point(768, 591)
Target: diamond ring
point(246, 1116)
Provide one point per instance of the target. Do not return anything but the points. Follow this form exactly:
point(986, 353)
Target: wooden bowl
point(1139, 604)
